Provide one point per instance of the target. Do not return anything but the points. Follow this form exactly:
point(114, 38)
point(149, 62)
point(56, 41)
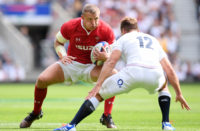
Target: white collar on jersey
point(88, 33)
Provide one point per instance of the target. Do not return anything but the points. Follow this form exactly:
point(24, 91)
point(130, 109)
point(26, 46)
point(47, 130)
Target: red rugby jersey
point(80, 42)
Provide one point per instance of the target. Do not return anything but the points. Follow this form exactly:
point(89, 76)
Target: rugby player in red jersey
point(75, 64)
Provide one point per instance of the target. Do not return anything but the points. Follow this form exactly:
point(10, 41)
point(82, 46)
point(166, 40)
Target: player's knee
point(99, 98)
point(94, 78)
point(42, 82)
point(94, 74)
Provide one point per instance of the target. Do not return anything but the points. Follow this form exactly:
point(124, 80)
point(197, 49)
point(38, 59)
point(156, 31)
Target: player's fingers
point(71, 57)
point(181, 102)
point(63, 61)
point(67, 61)
point(103, 49)
point(182, 105)
point(87, 97)
point(186, 106)
point(176, 100)
point(95, 53)
point(97, 50)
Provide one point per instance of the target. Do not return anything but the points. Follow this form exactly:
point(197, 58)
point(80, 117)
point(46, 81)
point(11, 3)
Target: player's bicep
point(167, 67)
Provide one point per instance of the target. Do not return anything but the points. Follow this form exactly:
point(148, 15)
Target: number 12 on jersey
point(145, 42)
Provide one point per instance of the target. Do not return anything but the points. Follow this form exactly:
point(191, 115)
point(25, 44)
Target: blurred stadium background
point(28, 28)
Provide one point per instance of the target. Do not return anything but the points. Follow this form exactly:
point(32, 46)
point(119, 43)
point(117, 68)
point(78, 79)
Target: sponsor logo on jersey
point(120, 82)
point(83, 47)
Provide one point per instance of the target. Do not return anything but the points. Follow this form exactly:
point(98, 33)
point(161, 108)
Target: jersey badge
point(120, 82)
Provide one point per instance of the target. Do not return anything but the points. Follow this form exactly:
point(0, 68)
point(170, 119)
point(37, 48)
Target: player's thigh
point(115, 85)
point(52, 74)
point(95, 72)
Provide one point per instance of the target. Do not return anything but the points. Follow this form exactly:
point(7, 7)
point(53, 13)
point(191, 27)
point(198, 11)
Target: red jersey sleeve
point(67, 29)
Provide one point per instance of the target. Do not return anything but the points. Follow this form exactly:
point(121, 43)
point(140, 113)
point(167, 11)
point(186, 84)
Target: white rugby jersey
point(140, 49)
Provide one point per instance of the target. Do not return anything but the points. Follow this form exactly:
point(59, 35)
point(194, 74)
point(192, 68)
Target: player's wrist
point(178, 93)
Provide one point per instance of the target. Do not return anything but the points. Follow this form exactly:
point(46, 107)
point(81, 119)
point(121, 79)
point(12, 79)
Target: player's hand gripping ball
point(99, 47)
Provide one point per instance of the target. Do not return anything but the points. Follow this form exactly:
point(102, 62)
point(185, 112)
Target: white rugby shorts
point(132, 77)
point(76, 71)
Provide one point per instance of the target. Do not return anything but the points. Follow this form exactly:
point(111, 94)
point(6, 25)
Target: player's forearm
point(60, 49)
point(171, 75)
point(106, 71)
point(108, 67)
point(173, 79)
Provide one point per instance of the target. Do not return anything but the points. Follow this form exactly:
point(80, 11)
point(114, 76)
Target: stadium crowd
point(155, 17)
point(10, 71)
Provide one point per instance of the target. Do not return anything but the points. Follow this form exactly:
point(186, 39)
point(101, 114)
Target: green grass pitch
point(136, 111)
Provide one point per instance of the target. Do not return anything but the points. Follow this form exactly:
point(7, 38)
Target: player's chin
point(93, 27)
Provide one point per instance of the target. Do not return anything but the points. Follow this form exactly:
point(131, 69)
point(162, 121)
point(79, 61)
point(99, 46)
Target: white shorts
point(76, 71)
point(132, 77)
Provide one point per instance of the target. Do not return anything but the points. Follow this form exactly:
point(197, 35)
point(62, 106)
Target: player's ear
point(82, 16)
point(123, 31)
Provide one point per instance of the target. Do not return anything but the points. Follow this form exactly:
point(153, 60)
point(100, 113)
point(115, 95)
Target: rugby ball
point(99, 47)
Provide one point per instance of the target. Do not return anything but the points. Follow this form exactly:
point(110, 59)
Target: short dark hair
point(129, 24)
point(91, 8)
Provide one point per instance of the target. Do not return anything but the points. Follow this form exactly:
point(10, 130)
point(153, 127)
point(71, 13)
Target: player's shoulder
point(130, 35)
point(103, 23)
point(74, 21)
point(104, 26)
point(147, 35)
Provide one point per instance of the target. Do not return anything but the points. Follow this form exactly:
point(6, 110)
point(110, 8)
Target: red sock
point(40, 94)
point(108, 105)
